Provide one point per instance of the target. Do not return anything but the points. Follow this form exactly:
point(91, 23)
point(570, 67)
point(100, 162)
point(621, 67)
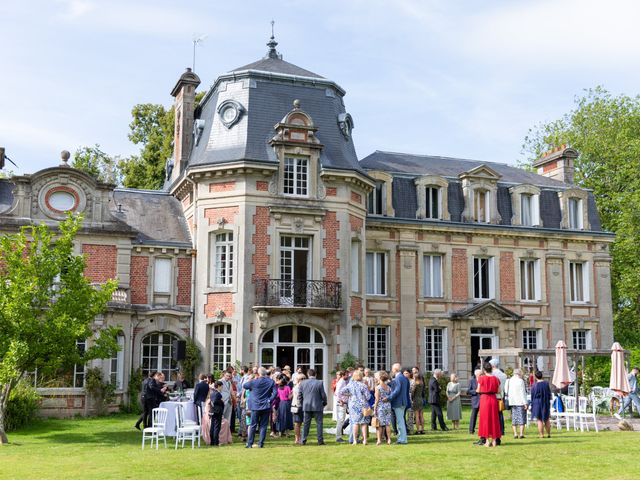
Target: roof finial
point(272, 44)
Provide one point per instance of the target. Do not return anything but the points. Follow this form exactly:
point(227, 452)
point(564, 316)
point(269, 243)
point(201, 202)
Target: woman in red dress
point(488, 386)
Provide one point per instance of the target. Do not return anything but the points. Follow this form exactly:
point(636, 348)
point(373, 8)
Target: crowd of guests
point(257, 400)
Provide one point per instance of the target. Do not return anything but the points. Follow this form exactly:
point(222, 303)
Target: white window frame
point(378, 347)
point(221, 346)
point(295, 177)
point(576, 341)
point(355, 267)
point(222, 273)
point(430, 190)
point(525, 265)
point(487, 205)
point(378, 197)
point(574, 282)
point(431, 360)
point(380, 284)
point(430, 275)
point(116, 365)
point(162, 275)
point(80, 369)
point(533, 201)
point(156, 361)
point(576, 212)
point(526, 344)
point(490, 276)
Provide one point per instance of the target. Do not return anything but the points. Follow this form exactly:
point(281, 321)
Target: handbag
point(367, 411)
point(295, 409)
point(375, 422)
point(501, 405)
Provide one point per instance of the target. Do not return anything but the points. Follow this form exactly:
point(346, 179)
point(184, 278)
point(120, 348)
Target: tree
point(46, 305)
point(98, 164)
point(605, 130)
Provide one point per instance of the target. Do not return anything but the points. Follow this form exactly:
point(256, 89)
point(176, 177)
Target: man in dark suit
point(475, 400)
point(200, 393)
point(434, 401)
point(146, 412)
point(400, 399)
point(156, 393)
point(263, 392)
point(313, 398)
point(217, 407)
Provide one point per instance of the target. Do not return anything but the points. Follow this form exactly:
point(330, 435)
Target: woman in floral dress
point(358, 394)
point(382, 408)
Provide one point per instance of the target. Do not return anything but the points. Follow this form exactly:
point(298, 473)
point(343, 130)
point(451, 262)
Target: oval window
point(62, 201)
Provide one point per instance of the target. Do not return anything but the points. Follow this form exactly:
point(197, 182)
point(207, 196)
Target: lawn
point(110, 448)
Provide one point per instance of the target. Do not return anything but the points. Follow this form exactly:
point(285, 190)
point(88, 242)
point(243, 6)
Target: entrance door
point(481, 339)
point(298, 346)
point(295, 265)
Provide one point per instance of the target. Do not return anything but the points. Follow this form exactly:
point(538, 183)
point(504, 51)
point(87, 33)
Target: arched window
point(157, 350)
point(297, 346)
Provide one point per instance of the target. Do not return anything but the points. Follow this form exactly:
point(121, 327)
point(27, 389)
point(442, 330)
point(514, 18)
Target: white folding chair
point(585, 415)
point(184, 431)
point(570, 411)
point(156, 430)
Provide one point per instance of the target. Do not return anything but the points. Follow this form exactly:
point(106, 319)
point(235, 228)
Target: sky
point(462, 79)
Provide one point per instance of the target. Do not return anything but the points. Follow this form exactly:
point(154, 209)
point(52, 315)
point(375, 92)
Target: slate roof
point(277, 65)
point(6, 194)
point(155, 215)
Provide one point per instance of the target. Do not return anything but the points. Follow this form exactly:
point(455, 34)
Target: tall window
point(377, 199)
point(530, 339)
point(157, 354)
point(579, 283)
point(432, 203)
point(355, 266)
point(376, 273)
point(162, 275)
point(581, 339)
point(481, 206)
point(116, 364)
point(296, 176)
point(575, 213)
point(377, 347)
point(434, 347)
point(223, 267)
point(79, 368)
point(432, 267)
point(483, 279)
point(221, 347)
point(529, 280)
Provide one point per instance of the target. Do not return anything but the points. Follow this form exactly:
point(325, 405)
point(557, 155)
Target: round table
point(189, 414)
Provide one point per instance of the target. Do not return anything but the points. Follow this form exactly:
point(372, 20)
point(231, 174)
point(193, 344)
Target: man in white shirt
point(500, 375)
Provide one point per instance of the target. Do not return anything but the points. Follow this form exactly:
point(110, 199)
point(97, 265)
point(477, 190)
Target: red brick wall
point(101, 262)
point(332, 191)
point(460, 272)
point(549, 166)
point(215, 214)
point(507, 277)
point(262, 186)
point(184, 282)
point(261, 240)
point(222, 186)
point(186, 201)
point(222, 301)
point(139, 279)
point(356, 223)
point(356, 197)
point(356, 307)
point(331, 245)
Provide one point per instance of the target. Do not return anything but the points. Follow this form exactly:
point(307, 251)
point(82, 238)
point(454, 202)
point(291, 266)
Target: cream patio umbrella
point(561, 376)
point(618, 381)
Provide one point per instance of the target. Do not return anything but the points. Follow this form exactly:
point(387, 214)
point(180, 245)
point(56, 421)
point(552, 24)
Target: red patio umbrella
point(618, 381)
point(561, 376)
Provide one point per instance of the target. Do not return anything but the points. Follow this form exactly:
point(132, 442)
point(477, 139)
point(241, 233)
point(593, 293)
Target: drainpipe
point(193, 255)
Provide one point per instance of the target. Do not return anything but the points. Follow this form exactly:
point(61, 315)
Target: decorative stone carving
point(230, 112)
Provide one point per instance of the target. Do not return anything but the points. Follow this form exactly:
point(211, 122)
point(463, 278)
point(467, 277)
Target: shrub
point(134, 389)
point(349, 360)
point(22, 406)
point(443, 381)
point(101, 392)
point(193, 358)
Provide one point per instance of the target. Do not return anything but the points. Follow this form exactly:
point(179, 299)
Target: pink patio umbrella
point(618, 381)
point(561, 376)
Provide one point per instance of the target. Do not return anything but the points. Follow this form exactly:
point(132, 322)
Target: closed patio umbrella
point(561, 376)
point(618, 381)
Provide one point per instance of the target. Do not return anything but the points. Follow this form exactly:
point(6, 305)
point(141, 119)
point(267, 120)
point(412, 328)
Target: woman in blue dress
point(358, 394)
point(541, 404)
point(382, 408)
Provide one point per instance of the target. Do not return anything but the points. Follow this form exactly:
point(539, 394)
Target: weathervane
point(272, 44)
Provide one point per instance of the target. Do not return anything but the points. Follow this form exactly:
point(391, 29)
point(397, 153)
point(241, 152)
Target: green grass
point(110, 448)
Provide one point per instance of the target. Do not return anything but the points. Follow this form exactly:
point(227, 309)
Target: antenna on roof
point(272, 44)
point(197, 41)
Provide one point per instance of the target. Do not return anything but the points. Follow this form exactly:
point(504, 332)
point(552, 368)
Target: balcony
point(277, 294)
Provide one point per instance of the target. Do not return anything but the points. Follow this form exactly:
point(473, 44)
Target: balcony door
point(295, 266)
point(297, 346)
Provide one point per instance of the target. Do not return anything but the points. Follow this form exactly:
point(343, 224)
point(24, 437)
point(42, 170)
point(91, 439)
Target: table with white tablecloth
point(189, 414)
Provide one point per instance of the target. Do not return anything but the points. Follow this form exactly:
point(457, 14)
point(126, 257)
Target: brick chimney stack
point(185, 94)
point(557, 164)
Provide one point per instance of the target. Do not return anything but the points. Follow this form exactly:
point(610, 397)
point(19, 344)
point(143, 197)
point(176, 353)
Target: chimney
point(185, 94)
point(557, 163)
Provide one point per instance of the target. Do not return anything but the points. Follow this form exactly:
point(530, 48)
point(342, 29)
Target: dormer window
point(432, 197)
point(575, 214)
point(296, 176)
point(377, 199)
point(481, 206)
point(525, 204)
point(432, 203)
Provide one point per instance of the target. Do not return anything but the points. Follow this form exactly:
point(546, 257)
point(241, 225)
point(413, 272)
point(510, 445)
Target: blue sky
point(463, 79)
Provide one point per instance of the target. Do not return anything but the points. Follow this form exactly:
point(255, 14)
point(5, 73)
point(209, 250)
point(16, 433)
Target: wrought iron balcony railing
point(298, 293)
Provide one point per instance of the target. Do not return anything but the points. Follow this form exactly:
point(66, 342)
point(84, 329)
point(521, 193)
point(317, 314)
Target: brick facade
point(184, 282)
point(260, 240)
point(219, 301)
point(331, 245)
point(222, 187)
point(139, 279)
point(262, 186)
point(101, 262)
point(507, 277)
point(356, 223)
point(332, 191)
point(356, 197)
point(460, 274)
point(213, 215)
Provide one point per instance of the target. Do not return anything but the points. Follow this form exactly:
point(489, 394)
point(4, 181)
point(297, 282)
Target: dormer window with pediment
point(432, 197)
point(298, 150)
point(379, 201)
point(480, 188)
point(573, 203)
point(525, 203)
